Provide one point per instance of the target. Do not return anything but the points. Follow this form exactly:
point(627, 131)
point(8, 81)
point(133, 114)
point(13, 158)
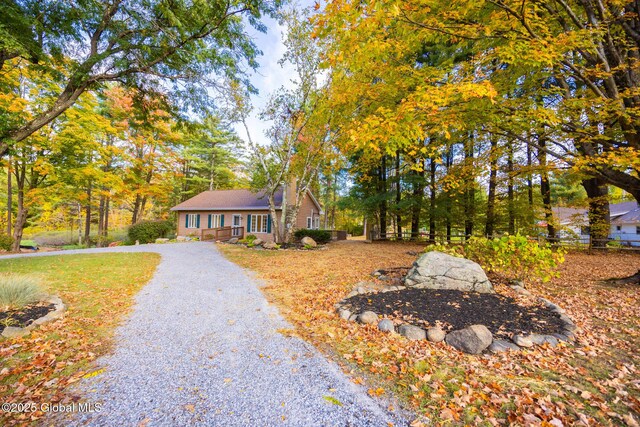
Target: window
point(313, 223)
point(259, 224)
point(637, 229)
point(216, 220)
point(193, 221)
point(618, 228)
point(309, 222)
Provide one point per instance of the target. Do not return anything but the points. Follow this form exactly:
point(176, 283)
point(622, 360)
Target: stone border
point(478, 334)
point(55, 314)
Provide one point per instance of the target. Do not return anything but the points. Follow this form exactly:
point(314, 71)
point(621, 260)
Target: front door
point(237, 223)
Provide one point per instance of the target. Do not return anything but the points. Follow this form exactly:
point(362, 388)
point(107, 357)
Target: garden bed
point(451, 310)
point(25, 316)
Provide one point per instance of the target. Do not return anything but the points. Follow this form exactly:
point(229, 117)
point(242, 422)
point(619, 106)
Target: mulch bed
point(24, 316)
point(454, 310)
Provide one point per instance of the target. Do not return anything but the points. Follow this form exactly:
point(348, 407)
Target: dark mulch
point(456, 310)
point(24, 316)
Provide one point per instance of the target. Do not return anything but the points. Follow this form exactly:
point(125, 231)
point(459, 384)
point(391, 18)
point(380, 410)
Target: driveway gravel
point(202, 347)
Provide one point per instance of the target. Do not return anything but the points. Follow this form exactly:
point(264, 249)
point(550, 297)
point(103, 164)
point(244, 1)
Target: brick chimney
point(291, 191)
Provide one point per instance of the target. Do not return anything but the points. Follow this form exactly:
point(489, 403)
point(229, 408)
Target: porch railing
point(221, 233)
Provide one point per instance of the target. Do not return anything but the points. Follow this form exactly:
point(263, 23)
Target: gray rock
point(412, 332)
point(162, 240)
point(13, 332)
point(386, 325)
point(473, 339)
point(523, 341)
point(435, 334)
point(181, 238)
point(353, 318)
point(436, 270)
point(233, 240)
point(368, 318)
point(258, 242)
point(308, 241)
point(345, 314)
point(562, 337)
point(499, 346)
point(376, 273)
point(544, 339)
point(270, 245)
point(521, 291)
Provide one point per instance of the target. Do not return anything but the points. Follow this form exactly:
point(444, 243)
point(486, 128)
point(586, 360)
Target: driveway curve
point(202, 347)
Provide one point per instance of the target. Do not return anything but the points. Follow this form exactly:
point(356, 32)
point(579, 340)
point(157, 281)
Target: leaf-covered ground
point(594, 383)
point(98, 290)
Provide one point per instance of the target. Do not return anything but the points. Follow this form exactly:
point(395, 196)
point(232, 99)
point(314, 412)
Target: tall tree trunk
point(334, 197)
point(493, 179)
point(398, 196)
point(529, 180)
point(87, 218)
point(545, 189)
point(9, 199)
point(432, 200)
point(106, 216)
point(416, 201)
point(20, 171)
point(599, 219)
point(143, 205)
point(382, 186)
point(136, 209)
point(470, 193)
point(449, 163)
point(510, 191)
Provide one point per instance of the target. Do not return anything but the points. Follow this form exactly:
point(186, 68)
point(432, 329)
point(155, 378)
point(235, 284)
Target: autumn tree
point(141, 44)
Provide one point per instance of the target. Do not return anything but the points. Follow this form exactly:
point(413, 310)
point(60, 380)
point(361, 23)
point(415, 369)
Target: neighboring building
point(222, 214)
point(625, 222)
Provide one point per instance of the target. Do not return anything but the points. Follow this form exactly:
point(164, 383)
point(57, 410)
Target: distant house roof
point(620, 213)
point(566, 216)
point(228, 200)
point(625, 213)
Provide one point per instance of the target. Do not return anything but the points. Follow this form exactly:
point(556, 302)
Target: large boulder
point(473, 339)
point(308, 241)
point(436, 270)
point(412, 332)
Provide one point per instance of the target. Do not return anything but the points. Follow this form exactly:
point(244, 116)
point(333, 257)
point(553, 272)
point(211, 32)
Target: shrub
point(513, 256)
point(5, 242)
point(320, 236)
point(250, 237)
point(149, 231)
point(17, 291)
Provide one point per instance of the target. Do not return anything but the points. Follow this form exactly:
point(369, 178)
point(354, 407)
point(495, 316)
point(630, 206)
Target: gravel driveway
point(202, 347)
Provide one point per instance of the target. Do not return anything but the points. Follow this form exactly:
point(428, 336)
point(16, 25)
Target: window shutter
point(248, 223)
point(269, 223)
point(186, 220)
point(221, 220)
point(198, 221)
point(209, 225)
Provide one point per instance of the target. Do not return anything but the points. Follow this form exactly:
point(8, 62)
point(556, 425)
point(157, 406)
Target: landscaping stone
point(435, 334)
point(353, 318)
point(181, 239)
point(562, 337)
point(162, 240)
point(308, 241)
point(345, 314)
point(258, 242)
point(233, 240)
point(412, 332)
point(14, 332)
point(368, 318)
point(436, 270)
point(473, 339)
point(521, 291)
point(499, 346)
point(386, 325)
point(539, 339)
point(523, 341)
point(270, 245)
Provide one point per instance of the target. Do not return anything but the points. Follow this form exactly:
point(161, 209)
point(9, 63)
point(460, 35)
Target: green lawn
point(98, 290)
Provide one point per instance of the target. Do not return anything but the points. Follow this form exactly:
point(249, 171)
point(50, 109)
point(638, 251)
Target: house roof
point(627, 214)
point(228, 200)
point(233, 200)
point(566, 216)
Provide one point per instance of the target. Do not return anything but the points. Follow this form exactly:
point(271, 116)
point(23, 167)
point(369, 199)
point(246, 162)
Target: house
point(223, 214)
point(625, 222)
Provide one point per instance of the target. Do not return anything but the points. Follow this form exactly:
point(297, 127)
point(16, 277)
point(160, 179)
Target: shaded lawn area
point(98, 290)
point(593, 383)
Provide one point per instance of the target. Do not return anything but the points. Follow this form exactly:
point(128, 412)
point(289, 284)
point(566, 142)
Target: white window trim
point(215, 220)
point(254, 223)
point(316, 223)
point(192, 220)
point(309, 222)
